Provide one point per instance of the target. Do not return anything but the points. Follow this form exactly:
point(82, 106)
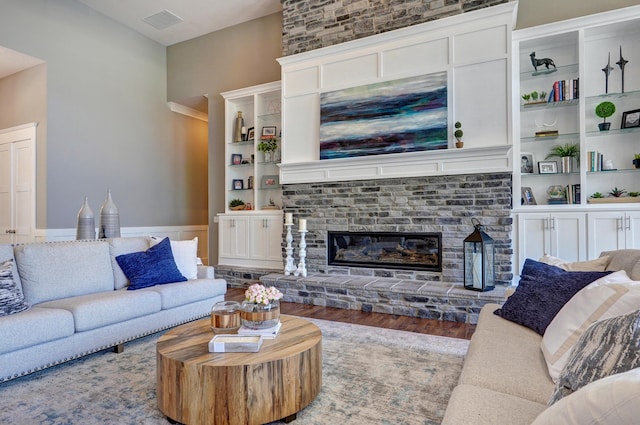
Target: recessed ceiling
point(198, 17)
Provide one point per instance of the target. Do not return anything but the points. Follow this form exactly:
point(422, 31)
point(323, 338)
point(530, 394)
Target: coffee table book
point(269, 333)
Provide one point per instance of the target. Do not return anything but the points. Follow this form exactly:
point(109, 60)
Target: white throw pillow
point(609, 296)
point(185, 254)
point(614, 400)
point(597, 265)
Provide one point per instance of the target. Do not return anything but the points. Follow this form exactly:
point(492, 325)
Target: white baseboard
point(173, 232)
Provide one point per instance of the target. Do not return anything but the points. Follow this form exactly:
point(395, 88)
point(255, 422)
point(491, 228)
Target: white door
point(632, 230)
point(534, 239)
point(17, 184)
point(606, 232)
point(233, 239)
point(568, 236)
point(266, 238)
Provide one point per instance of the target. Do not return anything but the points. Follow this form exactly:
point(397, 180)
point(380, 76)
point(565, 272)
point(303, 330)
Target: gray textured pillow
point(11, 297)
point(607, 347)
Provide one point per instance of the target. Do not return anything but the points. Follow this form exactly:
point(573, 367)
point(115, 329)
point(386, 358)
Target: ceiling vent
point(163, 20)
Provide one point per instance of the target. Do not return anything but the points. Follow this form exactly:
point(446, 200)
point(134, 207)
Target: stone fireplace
point(391, 250)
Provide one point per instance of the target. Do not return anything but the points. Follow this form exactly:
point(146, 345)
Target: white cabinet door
point(632, 229)
point(606, 232)
point(562, 235)
point(233, 239)
point(266, 238)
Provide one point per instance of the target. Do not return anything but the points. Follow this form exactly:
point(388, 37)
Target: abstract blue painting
point(398, 116)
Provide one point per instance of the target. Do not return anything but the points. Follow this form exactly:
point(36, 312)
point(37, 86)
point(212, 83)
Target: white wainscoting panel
point(420, 58)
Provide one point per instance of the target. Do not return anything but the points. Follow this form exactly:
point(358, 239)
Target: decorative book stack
point(269, 333)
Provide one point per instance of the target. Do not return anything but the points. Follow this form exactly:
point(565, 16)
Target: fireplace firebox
point(389, 250)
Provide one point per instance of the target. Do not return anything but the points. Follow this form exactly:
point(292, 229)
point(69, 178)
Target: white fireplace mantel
point(424, 163)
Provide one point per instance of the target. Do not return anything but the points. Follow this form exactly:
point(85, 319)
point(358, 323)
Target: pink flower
point(258, 294)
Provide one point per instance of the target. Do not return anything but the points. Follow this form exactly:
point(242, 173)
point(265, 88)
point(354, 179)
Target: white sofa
point(505, 379)
point(80, 303)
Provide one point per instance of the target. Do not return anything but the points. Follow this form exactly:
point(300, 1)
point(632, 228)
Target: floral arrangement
point(258, 294)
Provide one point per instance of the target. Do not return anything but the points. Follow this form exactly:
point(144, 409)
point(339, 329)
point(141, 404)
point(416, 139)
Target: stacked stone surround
point(312, 24)
point(443, 204)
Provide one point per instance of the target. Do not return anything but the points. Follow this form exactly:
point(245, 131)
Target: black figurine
point(537, 62)
point(621, 63)
point(607, 70)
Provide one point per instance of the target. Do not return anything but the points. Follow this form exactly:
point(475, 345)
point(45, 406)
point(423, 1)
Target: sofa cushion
point(11, 297)
point(120, 246)
point(607, 347)
point(97, 310)
point(597, 265)
point(625, 259)
point(6, 253)
point(185, 254)
point(611, 400)
point(511, 365)
point(33, 327)
point(541, 293)
point(608, 296)
point(54, 270)
point(155, 266)
point(479, 406)
point(177, 294)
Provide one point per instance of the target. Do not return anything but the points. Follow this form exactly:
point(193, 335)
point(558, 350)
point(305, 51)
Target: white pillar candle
point(302, 224)
point(288, 219)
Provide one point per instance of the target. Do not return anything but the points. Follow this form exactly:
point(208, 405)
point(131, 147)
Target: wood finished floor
point(381, 320)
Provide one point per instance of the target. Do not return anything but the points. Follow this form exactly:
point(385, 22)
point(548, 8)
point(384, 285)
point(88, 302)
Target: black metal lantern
point(479, 260)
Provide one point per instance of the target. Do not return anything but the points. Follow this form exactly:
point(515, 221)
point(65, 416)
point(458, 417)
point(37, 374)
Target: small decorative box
point(235, 344)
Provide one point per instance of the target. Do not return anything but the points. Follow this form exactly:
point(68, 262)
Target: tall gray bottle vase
point(86, 228)
point(109, 219)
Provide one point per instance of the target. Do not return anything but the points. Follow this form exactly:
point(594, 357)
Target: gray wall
point(107, 122)
point(233, 58)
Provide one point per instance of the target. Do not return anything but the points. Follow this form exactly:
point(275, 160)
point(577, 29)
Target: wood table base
point(197, 387)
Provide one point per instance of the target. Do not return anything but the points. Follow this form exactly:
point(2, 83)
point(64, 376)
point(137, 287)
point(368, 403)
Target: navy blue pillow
point(543, 290)
point(154, 266)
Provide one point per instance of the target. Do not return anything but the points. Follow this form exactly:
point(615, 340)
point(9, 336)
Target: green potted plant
point(604, 110)
point(566, 152)
point(616, 193)
point(636, 160)
point(458, 134)
point(237, 204)
point(268, 146)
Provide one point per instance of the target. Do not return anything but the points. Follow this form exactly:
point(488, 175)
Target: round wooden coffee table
point(196, 387)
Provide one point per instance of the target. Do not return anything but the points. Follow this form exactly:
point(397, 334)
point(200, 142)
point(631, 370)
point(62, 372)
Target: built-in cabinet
point(556, 201)
point(17, 184)
point(252, 236)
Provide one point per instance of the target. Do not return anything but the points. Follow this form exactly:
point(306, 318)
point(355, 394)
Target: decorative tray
point(235, 344)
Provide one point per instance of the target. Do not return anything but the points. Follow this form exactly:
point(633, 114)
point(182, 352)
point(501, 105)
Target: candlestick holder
point(302, 267)
point(289, 266)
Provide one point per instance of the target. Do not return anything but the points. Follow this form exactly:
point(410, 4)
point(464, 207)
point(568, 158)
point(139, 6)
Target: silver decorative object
point(621, 63)
point(607, 71)
point(109, 219)
point(86, 228)
point(237, 131)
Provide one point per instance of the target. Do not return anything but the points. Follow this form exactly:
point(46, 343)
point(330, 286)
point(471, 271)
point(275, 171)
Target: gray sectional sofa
point(505, 379)
point(80, 303)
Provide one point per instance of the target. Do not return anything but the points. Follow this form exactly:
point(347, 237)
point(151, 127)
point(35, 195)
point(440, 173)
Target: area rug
point(370, 376)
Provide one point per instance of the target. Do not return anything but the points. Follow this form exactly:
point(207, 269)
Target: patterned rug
point(370, 376)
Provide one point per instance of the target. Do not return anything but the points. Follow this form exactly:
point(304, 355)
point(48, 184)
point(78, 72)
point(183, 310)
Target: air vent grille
point(163, 20)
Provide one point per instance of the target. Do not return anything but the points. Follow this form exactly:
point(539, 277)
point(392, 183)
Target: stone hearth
point(430, 300)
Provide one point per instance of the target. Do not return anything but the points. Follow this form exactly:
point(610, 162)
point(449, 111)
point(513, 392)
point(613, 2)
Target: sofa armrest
point(206, 272)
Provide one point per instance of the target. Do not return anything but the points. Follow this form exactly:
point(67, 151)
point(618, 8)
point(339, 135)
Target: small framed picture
point(238, 184)
point(527, 197)
point(236, 159)
point(268, 132)
point(547, 167)
point(270, 181)
point(526, 163)
point(251, 133)
point(630, 119)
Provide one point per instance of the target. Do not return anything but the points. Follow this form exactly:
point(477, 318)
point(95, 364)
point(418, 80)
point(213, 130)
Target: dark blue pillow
point(154, 266)
point(543, 290)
